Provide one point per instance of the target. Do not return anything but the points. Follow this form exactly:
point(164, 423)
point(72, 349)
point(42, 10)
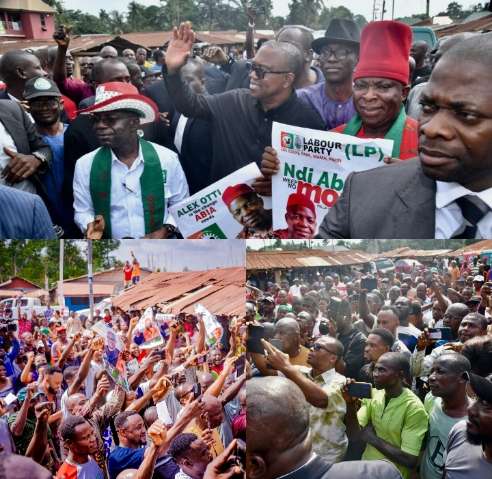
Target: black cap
point(482, 387)
point(339, 30)
point(39, 87)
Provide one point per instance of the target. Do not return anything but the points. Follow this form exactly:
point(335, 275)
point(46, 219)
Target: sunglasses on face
point(318, 347)
point(260, 71)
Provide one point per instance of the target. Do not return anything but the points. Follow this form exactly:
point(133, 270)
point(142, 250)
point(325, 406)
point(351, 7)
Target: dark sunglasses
point(260, 71)
point(317, 347)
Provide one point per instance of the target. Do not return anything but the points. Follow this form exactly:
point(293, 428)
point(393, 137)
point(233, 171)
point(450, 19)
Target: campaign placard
point(220, 212)
point(314, 165)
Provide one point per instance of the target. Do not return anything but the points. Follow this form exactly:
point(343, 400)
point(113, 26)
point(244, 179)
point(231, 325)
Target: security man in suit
point(447, 191)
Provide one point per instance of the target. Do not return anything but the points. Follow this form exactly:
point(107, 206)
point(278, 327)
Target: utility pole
point(90, 279)
point(393, 10)
point(61, 297)
point(383, 11)
point(427, 9)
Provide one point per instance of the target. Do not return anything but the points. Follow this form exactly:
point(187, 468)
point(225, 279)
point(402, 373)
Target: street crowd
point(124, 395)
point(109, 152)
point(385, 375)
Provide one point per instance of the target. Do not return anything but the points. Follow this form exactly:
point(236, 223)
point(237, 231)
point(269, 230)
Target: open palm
point(179, 47)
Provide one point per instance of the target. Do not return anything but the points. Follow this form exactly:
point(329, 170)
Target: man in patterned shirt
point(322, 388)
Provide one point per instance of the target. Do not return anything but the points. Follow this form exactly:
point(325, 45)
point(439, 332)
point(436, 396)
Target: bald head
point(266, 420)
point(108, 52)
point(18, 66)
point(299, 36)
point(287, 325)
point(13, 466)
point(127, 474)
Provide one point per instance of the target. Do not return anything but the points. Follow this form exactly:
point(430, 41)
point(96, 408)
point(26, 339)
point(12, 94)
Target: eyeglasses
point(317, 347)
point(339, 53)
point(260, 71)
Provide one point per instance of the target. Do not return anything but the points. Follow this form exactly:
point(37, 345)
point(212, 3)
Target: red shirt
point(409, 143)
point(128, 273)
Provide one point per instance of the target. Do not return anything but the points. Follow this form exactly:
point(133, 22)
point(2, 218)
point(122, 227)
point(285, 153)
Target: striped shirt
point(24, 216)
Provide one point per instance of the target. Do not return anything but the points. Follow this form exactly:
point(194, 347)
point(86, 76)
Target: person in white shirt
point(124, 188)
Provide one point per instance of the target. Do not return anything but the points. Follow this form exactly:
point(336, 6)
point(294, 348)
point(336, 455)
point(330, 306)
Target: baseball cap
point(267, 299)
point(474, 300)
point(21, 395)
point(39, 87)
point(482, 387)
point(479, 278)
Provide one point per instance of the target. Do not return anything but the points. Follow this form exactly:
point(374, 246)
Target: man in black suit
point(447, 192)
point(275, 450)
point(22, 152)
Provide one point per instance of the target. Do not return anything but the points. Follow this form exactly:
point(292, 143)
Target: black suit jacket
point(239, 76)
point(196, 151)
point(392, 202)
point(21, 129)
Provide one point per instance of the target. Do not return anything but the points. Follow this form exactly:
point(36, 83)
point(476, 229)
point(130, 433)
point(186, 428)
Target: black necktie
point(473, 210)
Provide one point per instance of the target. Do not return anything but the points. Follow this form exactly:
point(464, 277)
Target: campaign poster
point(229, 208)
point(314, 165)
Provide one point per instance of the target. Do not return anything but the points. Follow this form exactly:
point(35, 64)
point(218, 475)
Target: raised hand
point(179, 47)
point(62, 36)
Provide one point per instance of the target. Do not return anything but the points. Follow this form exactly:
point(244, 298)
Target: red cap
point(233, 192)
point(296, 199)
point(60, 329)
point(384, 51)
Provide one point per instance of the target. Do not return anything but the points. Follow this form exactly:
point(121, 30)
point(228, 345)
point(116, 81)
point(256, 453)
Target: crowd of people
point(108, 152)
point(123, 395)
point(376, 375)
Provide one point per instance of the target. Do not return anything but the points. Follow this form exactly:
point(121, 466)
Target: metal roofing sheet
point(220, 290)
point(82, 289)
point(304, 258)
point(475, 248)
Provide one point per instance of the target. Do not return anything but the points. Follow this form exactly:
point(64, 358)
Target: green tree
point(455, 10)
point(304, 12)
point(136, 18)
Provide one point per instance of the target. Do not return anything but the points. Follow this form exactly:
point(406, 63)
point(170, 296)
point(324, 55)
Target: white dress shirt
point(449, 219)
point(6, 141)
point(127, 214)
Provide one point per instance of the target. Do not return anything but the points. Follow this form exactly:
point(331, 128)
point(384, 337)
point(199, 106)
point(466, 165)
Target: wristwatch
point(42, 158)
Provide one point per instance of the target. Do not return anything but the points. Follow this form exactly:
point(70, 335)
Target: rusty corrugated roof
point(475, 248)
point(406, 252)
point(304, 258)
point(483, 24)
point(221, 291)
point(82, 289)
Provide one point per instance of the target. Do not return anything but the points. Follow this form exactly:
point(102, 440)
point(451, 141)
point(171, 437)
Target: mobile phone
point(324, 329)
point(360, 390)
point(277, 343)
point(240, 365)
point(368, 283)
point(201, 359)
point(255, 335)
point(441, 333)
point(197, 390)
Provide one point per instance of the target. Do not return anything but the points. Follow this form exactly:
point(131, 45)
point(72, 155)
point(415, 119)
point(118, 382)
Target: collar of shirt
point(449, 219)
point(447, 193)
point(284, 107)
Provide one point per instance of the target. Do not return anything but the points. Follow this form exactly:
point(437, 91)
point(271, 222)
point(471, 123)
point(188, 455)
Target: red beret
point(233, 192)
point(384, 51)
point(296, 199)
